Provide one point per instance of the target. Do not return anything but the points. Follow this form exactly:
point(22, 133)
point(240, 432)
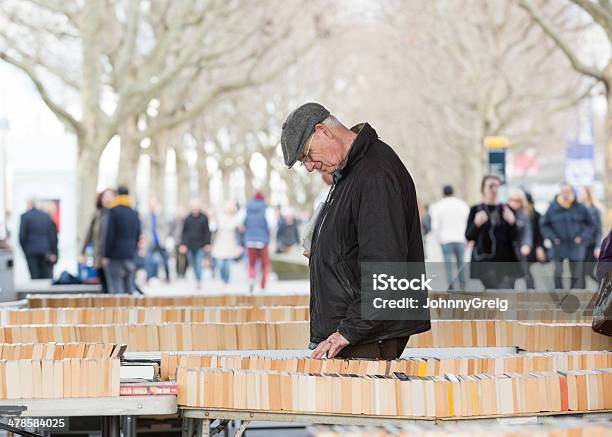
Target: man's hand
point(596, 252)
point(480, 218)
point(578, 240)
point(508, 215)
point(105, 261)
point(332, 345)
point(183, 248)
point(525, 250)
point(540, 254)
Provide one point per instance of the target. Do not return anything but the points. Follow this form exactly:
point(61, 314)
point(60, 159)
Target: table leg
point(110, 426)
point(188, 427)
point(130, 426)
point(243, 426)
point(204, 428)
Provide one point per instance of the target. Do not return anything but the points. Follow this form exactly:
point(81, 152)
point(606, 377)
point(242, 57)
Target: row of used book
point(520, 299)
point(70, 377)
point(295, 335)
point(125, 300)
point(77, 316)
point(225, 314)
point(397, 394)
point(572, 429)
point(421, 366)
point(59, 351)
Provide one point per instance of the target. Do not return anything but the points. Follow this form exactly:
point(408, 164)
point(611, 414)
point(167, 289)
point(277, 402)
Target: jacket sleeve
point(588, 231)
point(52, 237)
point(537, 233)
point(89, 235)
point(527, 231)
point(471, 230)
point(546, 226)
point(382, 228)
point(109, 235)
point(207, 233)
point(23, 231)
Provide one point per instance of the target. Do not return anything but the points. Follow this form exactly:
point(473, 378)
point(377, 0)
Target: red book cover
point(148, 389)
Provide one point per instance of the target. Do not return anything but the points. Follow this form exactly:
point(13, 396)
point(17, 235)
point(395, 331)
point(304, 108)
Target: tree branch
point(61, 113)
point(547, 27)
point(598, 13)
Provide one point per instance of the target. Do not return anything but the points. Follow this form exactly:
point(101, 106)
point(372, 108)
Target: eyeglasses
point(305, 157)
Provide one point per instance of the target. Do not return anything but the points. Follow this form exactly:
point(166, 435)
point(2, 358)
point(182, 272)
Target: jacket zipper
point(328, 202)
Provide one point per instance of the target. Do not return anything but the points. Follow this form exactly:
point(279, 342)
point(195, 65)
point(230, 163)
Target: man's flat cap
point(298, 127)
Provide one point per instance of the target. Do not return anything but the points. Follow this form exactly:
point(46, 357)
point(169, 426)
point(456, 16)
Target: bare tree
point(214, 47)
point(600, 13)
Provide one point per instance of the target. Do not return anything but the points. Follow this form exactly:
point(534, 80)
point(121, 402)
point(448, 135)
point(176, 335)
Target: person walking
point(175, 235)
point(257, 220)
point(448, 219)
point(225, 247)
point(538, 254)
point(95, 236)
point(155, 240)
point(370, 215)
point(524, 243)
point(569, 226)
point(123, 232)
point(493, 229)
point(38, 239)
point(287, 234)
point(195, 238)
point(595, 208)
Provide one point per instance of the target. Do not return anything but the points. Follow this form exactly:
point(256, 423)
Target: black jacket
point(37, 233)
point(196, 232)
point(371, 215)
point(566, 224)
point(122, 233)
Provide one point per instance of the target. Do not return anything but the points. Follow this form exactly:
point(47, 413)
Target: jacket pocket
point(345, 277)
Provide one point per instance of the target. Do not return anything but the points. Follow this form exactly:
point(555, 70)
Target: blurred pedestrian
point(448, 220)
point(175, 235)
point(154, 241)
point(569, 226)
point(595, 209)
point(225, 247)
point(538, 253)
point(38, 239)
point(287, 234)
point(121, 241)
point(95, 236)
point(195, 238)
point(493, 229)
point(258, 220)
point(524, 243)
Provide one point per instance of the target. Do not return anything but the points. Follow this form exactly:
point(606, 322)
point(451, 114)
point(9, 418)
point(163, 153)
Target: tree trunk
point(182, 179)
point(226, 173)
point(203, 177)
point(86, 184)
point(157, 175)
point(128, 164)
point(249, 188)
point(608, 153)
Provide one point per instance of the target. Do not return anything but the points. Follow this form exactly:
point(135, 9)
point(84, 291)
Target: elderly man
point(370, 215)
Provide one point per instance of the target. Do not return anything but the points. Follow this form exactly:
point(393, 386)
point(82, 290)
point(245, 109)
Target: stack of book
point(574, 429)
point(100, 300)
point(169, 336)
point(469, 365)
point(397, 394)
point(101, 316)
point(67, 378)
point(60, 351)
point(294, 335)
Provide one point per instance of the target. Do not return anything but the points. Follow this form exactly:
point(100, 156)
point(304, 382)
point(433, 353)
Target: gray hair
point(332, 121)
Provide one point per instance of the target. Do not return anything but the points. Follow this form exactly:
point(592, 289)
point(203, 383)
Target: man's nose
point(310, 166)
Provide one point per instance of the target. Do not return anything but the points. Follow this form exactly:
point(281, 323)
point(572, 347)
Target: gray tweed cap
point(298, 127)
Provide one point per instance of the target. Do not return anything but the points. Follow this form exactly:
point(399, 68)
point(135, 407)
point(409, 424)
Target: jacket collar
point(366, 136)
point(122, 200)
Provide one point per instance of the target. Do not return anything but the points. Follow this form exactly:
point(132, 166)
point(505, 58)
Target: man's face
point(326, 152)
point(566, 192)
